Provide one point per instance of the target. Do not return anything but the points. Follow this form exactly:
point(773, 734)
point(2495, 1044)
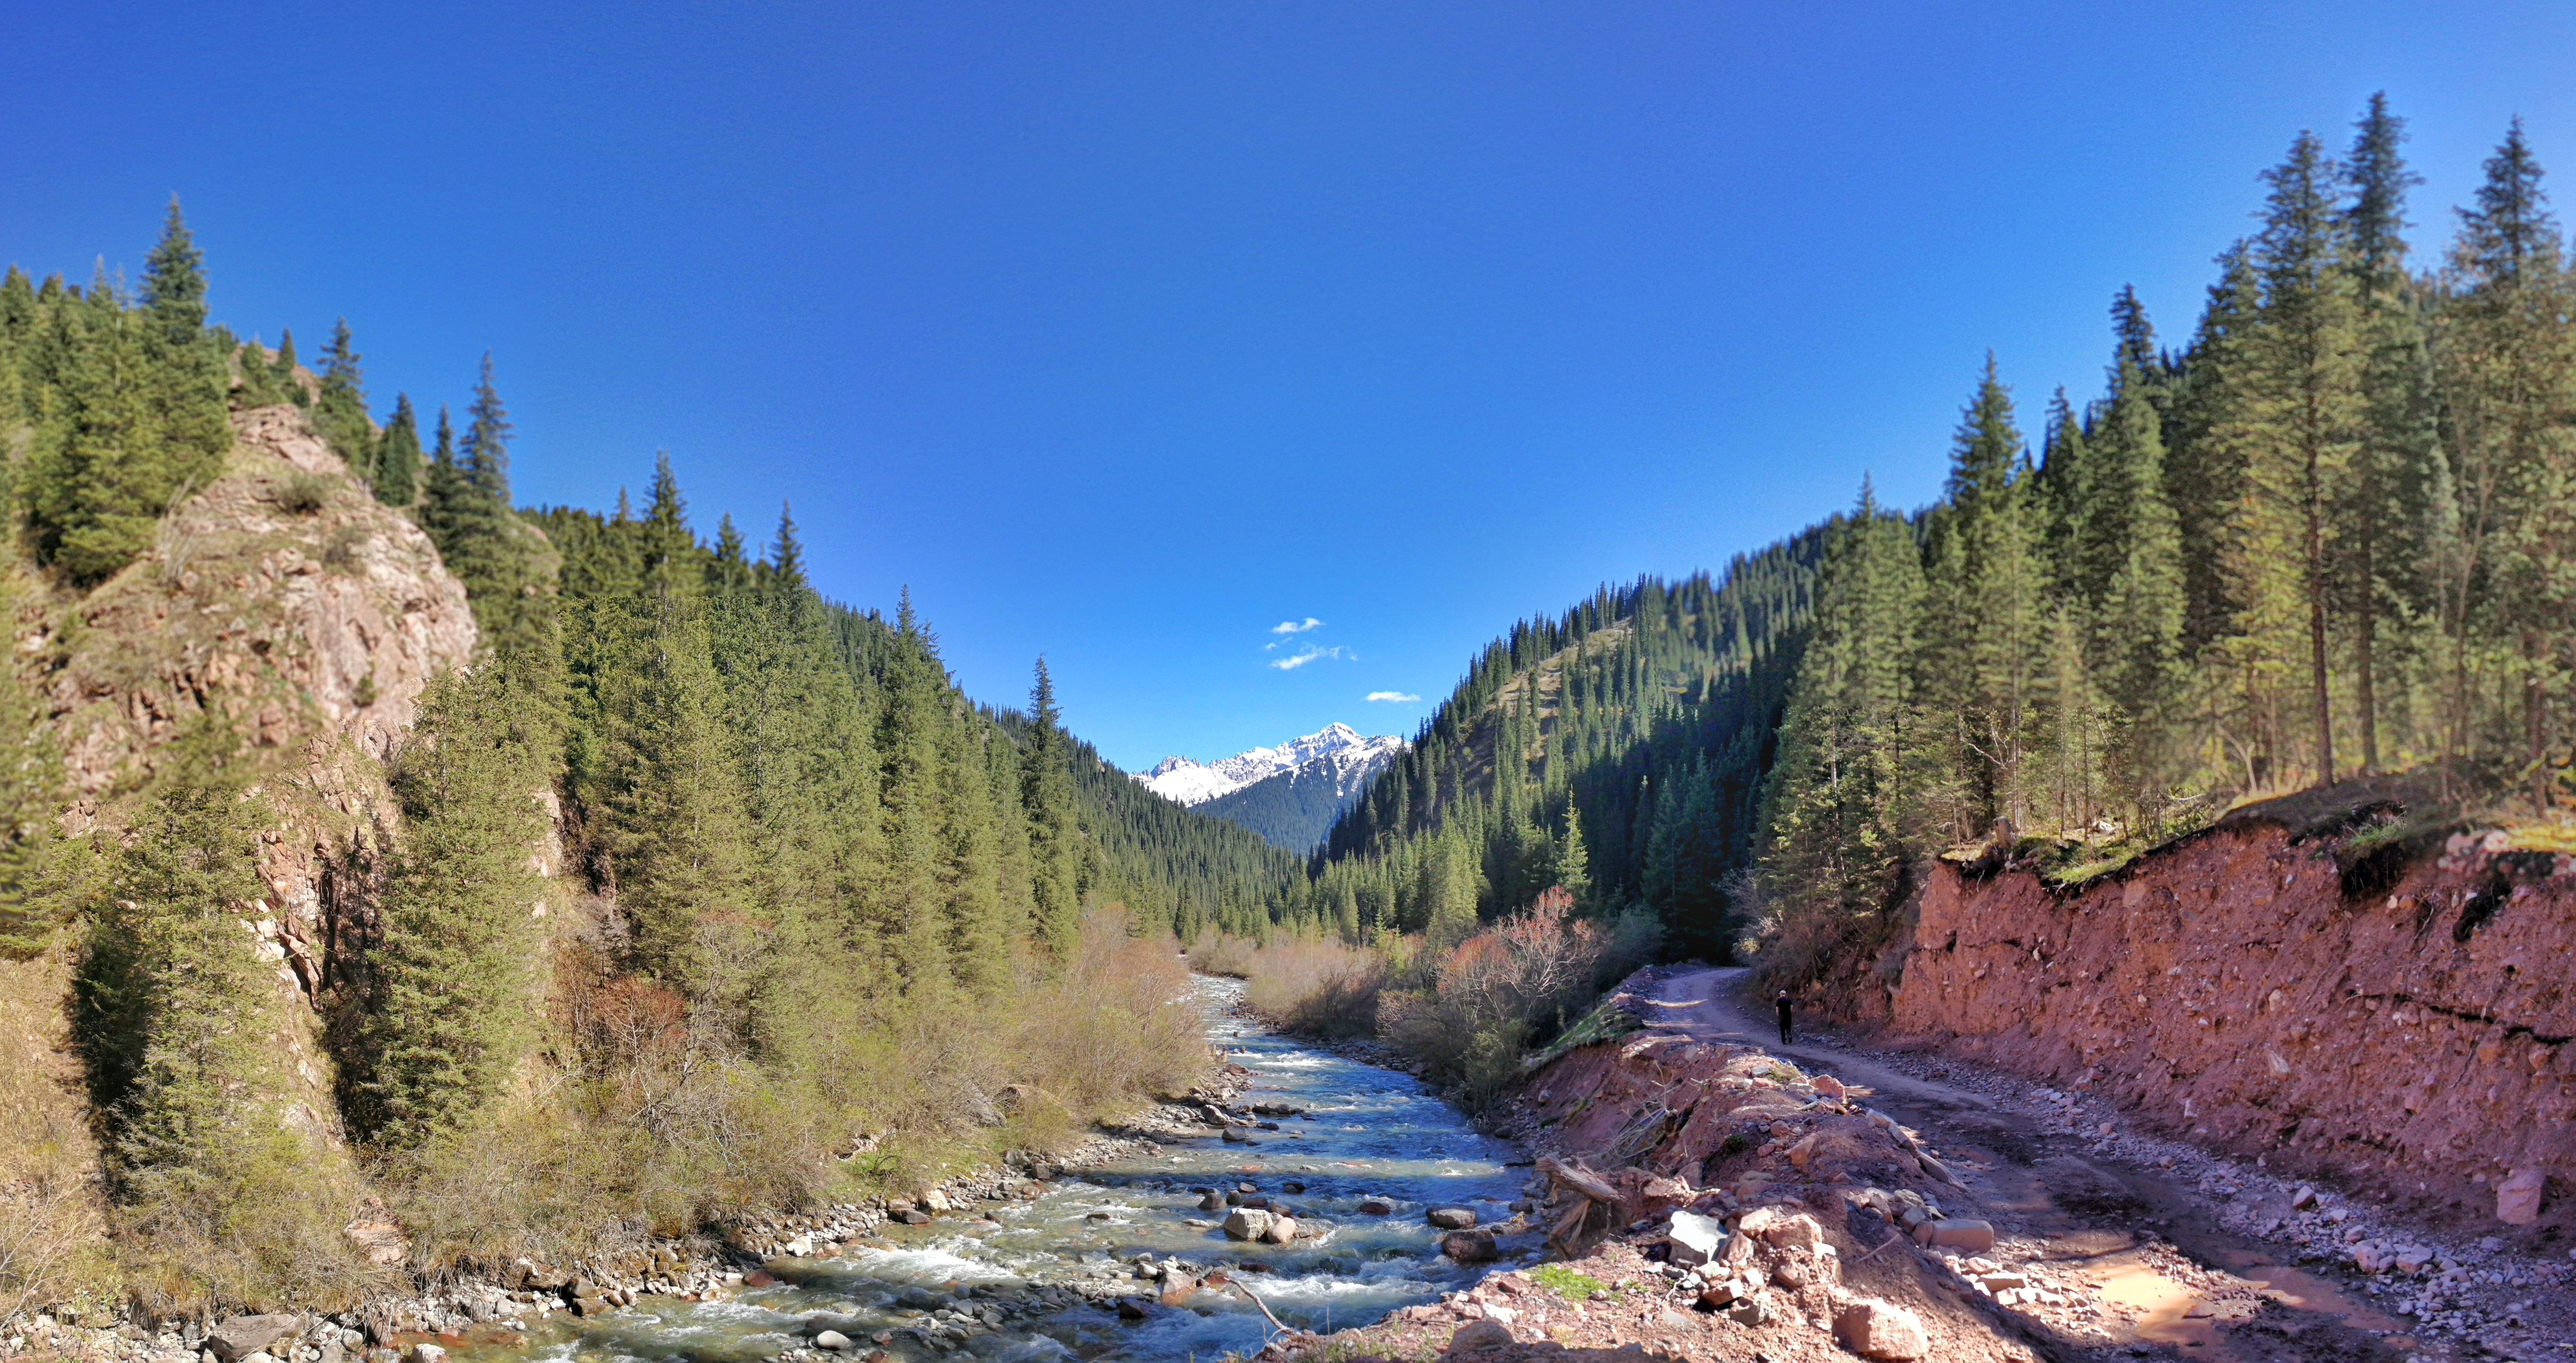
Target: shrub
point(1222, 953)
point(302, 494)
point(1317, 987)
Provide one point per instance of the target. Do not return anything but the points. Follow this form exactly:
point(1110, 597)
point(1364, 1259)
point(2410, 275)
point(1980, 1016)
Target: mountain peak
point(1338, 746)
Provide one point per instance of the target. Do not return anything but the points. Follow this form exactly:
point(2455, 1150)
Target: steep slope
point(1648, 710)
point(2286, 986)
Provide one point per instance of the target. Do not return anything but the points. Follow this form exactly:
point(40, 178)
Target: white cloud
point(1306, 655)
point(1292, 627)
point(1396, 696)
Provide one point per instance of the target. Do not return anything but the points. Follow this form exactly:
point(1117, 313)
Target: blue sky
point(1127, 333)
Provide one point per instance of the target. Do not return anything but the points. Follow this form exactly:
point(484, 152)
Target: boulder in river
point(1470, 1246)
point(1281, 1230)
point(1247, 1223)
point(1376, 1206)
point(1451, 1218)
point(833, 1340)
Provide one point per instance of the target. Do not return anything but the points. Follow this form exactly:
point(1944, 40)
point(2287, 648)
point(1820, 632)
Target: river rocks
point(1281, 1230)
point(1450, 1218)
point(1880, 1330)
point(1694, 1238)
point(1213, 1202)
point(1965, 1234)
point(1470, 1246)
point(2518, 1197)
point(427, 1353)
point(1376, 1206)
point(833, 1340)
point(1247, 1223)
point(1477, 1336)
point(1235, 1136)
point(242, 1336)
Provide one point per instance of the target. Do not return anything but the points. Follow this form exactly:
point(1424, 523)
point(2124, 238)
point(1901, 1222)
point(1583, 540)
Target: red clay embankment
point(2404, 1028)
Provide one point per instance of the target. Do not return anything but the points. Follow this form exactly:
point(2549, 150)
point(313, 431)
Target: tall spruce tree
point(341, 414)
point(1046, 797)
point(396, 480)
point(2509, 362)
point(456, 971)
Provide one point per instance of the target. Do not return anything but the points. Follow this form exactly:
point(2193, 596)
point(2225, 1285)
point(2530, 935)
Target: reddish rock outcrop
point(286, 599)
point(2403, 1027)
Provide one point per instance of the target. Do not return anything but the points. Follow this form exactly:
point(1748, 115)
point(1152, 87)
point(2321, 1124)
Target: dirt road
point(2144, 1243)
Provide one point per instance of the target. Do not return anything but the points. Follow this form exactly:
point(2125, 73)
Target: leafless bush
point(1221, 953)
point(1317, 987)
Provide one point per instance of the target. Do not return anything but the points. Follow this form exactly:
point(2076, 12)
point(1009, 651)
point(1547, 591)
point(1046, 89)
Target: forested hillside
point(622, 886)
point(1618, 750)
point(2332, 534)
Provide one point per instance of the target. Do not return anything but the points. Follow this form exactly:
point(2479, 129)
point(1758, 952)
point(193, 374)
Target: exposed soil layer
point(2108, 1241)
point(2399, 1026)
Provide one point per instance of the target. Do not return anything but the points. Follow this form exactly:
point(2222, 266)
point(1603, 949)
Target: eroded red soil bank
point(2404, 1028)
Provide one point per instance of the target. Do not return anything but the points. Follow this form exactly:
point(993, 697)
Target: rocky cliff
point(285, 599)
point(2398, 1022)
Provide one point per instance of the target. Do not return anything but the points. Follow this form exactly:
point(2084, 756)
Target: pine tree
point(174, 1008)
point(2299, 424)
point(1572, 871)
point(2509, 363)
point(456, 970)
point(140, 417)
point(1989, 627)
point(508, 569)
point(1046, 796)
point(673, 816)
point(397, 472)
point(341, 415)
point(2384, 522)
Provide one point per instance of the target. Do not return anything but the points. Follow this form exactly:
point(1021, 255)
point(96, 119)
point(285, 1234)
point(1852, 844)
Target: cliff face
point(2405, 1028)
point(285, 598)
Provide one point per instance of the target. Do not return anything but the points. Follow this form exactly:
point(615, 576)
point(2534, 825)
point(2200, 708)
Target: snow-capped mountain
point(1337, 749)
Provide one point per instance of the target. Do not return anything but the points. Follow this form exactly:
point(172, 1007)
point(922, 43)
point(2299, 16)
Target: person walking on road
point(1782, 1003)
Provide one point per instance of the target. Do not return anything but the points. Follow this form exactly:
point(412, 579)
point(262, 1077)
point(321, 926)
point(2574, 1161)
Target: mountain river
point(1364, 1132)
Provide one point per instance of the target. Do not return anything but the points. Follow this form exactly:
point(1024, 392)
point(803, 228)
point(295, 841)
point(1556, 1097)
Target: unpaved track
point(1701, 1003)
point(2036, 1180)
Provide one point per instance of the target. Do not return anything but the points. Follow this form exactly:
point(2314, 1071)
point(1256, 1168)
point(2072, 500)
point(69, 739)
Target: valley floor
point(2108, 1242)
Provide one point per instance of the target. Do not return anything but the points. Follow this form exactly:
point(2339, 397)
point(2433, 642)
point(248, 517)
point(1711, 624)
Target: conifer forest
point(675, 888)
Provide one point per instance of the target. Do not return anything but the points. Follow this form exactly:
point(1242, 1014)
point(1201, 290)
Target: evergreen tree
point(1572, 871)
point(397, 473)
point(508, 569)
point(138, 419)
point(456, 971)
point(341, 415)
point(1046, 796)
point(1988, 628)
point(2509, 362)
point(175, 1009)
point(2297, 419)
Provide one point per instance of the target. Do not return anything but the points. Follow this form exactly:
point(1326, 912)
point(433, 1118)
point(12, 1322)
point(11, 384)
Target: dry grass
point(53, 1213)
